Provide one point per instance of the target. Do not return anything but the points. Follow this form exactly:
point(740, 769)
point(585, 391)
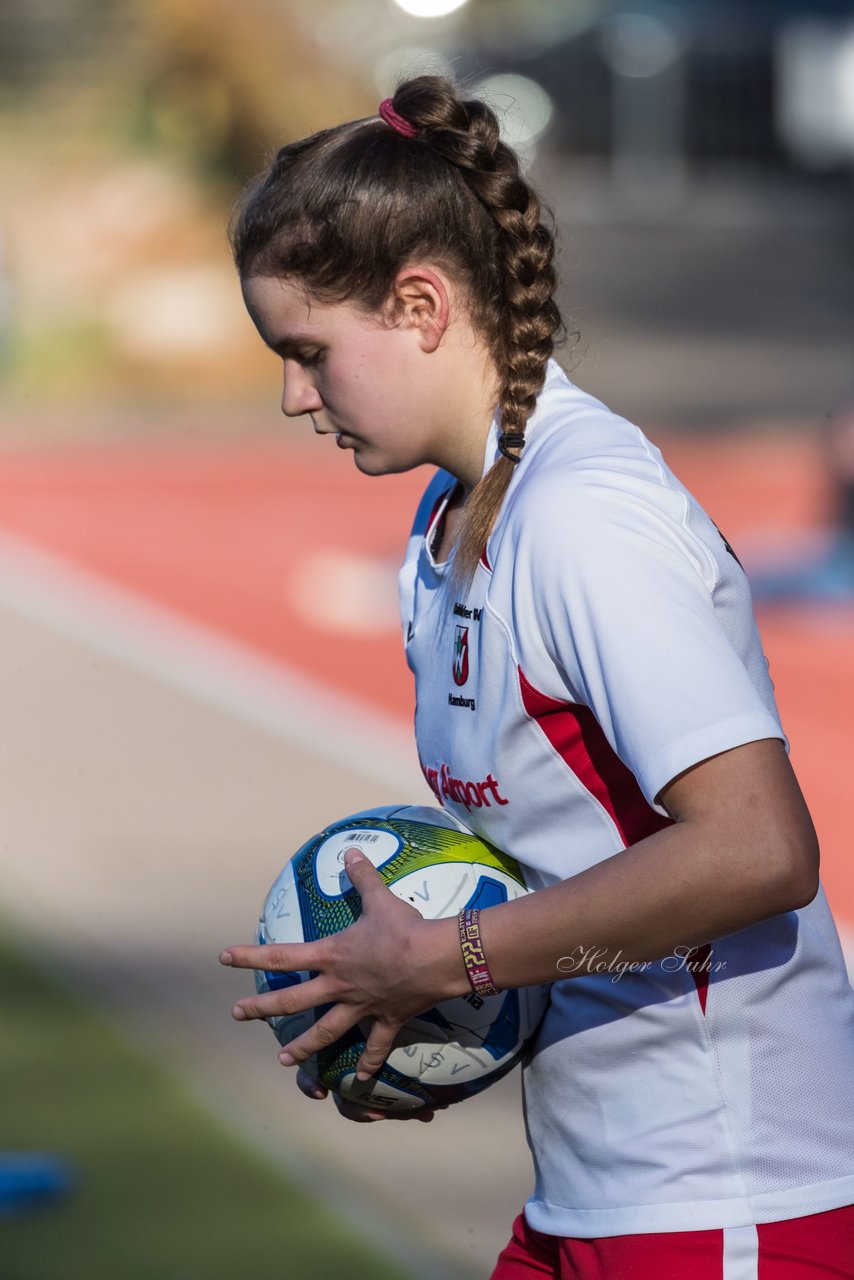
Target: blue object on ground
point(29, 1180)
point(826, 578)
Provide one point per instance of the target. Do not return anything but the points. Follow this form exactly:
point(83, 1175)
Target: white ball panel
point(438, 890)
point(281, 920)
point(440, 1062)
point(377, 845)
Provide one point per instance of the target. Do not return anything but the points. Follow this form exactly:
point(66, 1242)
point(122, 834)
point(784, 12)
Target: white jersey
point(607, 643)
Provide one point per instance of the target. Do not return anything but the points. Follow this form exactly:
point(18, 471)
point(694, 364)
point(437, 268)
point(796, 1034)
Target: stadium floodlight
point(639, 45)
point(429, 8)
point(815, 94)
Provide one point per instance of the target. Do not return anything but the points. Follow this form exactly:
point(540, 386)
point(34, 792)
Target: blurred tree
point(213, 83)
point(40, 38)
point(111, 111)
point(222, 83)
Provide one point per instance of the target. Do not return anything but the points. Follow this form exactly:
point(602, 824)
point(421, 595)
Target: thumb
point(364, 876)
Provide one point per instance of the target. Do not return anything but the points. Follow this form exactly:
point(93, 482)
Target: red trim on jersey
point(701, 959)
point(579, 740)
point(442, 498)
point(429, 532)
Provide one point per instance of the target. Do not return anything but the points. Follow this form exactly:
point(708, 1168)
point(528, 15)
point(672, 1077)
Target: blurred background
point(198, 637)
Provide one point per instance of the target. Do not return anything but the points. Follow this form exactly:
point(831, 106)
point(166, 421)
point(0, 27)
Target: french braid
point(466, 133)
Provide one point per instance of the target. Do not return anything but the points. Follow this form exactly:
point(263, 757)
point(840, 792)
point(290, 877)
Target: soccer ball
point(452, 1051)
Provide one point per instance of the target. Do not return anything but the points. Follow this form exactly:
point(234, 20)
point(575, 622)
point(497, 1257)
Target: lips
point(345, 441)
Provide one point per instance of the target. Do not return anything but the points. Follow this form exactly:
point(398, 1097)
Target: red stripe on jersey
point(429, 532)
point(701, 959)
point(442, 498)
point(579, 740)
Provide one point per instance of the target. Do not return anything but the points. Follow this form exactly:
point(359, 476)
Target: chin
point(372, 466)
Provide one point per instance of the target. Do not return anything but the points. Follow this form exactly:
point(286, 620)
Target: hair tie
point(397, 122)
point(511, 440)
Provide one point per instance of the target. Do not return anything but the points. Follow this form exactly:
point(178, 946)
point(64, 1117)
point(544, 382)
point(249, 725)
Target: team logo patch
point(461, 655)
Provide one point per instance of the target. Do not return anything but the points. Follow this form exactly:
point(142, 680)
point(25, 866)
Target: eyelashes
point(310, 360)
point(305, 359)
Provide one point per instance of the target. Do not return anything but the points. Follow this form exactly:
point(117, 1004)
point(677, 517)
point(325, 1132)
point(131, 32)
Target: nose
point(299, 394)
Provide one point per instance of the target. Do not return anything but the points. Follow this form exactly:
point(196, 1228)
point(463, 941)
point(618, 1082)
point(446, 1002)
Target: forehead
point(284, 314)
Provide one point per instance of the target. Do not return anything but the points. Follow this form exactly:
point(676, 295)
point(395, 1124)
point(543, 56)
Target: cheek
point(394, 389)
point(373, 385)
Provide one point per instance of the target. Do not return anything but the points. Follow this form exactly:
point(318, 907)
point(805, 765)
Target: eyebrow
point(287, 344)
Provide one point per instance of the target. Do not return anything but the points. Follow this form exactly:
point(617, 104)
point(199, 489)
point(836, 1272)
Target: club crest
point(461, 655)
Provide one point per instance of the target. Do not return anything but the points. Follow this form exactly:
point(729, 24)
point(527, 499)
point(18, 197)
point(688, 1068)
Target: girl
point(687, 1098)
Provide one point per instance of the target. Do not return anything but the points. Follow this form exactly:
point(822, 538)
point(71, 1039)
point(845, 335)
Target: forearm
point(679, 888)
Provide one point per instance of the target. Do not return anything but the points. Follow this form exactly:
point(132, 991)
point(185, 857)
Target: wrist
point(474, 958)
point(441, 960)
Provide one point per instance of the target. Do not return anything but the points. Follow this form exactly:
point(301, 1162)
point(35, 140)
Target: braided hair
point(345, 209)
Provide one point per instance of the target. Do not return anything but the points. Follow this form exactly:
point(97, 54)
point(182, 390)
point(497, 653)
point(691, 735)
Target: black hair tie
point(511, 440)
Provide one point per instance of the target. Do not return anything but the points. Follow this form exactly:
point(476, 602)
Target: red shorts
point(813, 1248)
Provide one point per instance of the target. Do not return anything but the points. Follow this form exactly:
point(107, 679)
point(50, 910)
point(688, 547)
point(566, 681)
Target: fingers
point(331, 1027)
point(378, 1046)
point(287, 1001)
point(309, 1086)
point(357, 1112)
point(288, 957)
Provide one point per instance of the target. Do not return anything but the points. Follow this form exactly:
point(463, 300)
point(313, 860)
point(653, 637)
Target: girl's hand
point(353, 1111)
point(388, 966)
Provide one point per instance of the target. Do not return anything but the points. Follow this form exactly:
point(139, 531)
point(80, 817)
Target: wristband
point(477, 970)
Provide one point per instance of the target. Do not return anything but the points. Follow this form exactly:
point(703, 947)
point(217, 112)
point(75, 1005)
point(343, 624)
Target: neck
point(472, 411)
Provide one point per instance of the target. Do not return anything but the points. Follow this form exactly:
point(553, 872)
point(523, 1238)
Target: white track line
point(203, 662)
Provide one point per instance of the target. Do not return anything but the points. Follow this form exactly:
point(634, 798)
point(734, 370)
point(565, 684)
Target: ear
point(422, 301)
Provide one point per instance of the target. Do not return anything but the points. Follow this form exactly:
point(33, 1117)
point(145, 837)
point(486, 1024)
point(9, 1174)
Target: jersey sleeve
point(623, 597)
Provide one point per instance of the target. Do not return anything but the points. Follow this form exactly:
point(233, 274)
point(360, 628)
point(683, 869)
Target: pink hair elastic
point(404, 127)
